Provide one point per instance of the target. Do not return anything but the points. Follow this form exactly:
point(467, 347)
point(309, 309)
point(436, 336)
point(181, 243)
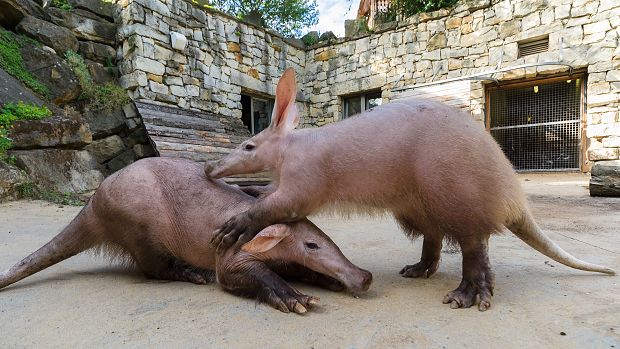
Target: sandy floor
point(84, 302)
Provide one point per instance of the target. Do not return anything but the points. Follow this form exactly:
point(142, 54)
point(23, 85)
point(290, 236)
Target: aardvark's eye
point(249, 147)
point(312, 245)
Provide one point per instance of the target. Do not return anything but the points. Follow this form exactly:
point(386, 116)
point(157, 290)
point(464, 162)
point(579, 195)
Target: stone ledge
point(605, 180)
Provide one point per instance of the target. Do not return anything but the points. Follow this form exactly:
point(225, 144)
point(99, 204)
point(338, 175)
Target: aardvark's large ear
point(267, 238)
point(285, 116)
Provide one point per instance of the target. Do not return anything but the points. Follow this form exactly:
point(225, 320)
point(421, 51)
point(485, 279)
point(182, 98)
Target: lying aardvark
point(160, 213)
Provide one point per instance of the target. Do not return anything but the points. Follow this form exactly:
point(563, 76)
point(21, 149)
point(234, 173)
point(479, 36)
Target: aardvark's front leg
point(274, 208)
point(255, 279)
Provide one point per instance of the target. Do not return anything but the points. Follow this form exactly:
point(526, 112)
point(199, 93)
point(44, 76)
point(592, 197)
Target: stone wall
point(78, 146)
point(177, 53)
point(474, 37)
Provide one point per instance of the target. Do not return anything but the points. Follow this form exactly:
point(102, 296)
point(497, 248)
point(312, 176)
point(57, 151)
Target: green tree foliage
point(284, 16)
point(407, 8)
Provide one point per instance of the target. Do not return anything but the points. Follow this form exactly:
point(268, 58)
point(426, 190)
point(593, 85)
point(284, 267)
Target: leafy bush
point(62, 4)
point(100, 97)
point(407, 8)
point(12, 62)
point(12, 112)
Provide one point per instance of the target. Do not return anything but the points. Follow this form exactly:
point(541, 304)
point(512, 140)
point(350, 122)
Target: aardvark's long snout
point(359, 280)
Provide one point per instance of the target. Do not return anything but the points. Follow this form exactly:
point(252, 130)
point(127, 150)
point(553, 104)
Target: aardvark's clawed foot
point(468, 294)
point(420, 269)
point(288, 300)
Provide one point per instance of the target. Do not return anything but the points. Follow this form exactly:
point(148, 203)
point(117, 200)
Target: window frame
point(270, 105)
point(364, 98)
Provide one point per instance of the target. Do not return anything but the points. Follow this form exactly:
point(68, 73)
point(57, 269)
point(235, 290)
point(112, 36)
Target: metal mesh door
point(538, 126)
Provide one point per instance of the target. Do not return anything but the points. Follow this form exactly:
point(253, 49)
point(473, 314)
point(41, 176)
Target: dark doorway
point(538, 124)
point(256, 112)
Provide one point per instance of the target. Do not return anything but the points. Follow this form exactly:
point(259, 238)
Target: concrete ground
point(84, 302)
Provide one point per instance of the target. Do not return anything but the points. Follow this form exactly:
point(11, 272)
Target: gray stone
point(97, 52)
point(50, 132)
point(158, 88)
point(143, 150)
point(156, 6)
point(355, 27)
point(53, 72)
point(59, 38)
point(474, 5)
point(133, 80)
point(436, 41)
point(103, 9)
point(99, 73)
point(84, 27)
point(11, 179)
point(605, 180)
point(523, 8)
point(105, 149)
point(13, 11)
point(150, 66)
point(327, 36)
point(509, 28)
point(60, 170)
point(130, 110)
point(122, 160)
point(178, 41)
point(104, 123)
point(12, 90)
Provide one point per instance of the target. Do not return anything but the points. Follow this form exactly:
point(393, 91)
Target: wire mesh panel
point(538, 126)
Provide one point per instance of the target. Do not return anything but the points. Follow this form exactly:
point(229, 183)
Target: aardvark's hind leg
point(165, 267)
point(478, 278)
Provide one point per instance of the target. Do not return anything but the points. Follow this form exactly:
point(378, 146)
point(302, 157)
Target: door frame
point(583, 165)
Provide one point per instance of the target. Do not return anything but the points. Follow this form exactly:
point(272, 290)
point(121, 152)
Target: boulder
point(59, 38)
point(60, 170)
point(99, 73)
point(103, 9)
point(143, 150)
point(50, 132)
point(53, 72)
point(104, 123)
point(11, 179)
point(13, 11)
point(311, 38)
point(122, 160)
point(12, 90)
point(605, 180)
point(327, 36)
point(106, 148)
point(84, 27)
point(97, 52)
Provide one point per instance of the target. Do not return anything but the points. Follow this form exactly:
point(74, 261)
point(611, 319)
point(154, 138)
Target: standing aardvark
point(438, 172)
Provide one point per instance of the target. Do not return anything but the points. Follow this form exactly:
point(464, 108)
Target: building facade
point(543, 75)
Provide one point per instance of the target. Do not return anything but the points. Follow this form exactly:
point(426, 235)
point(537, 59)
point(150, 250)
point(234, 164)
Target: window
point(357, 104)
point(256, 112)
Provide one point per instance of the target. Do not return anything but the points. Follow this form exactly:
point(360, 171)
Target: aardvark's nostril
point(367, 280)
point(209, 167)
